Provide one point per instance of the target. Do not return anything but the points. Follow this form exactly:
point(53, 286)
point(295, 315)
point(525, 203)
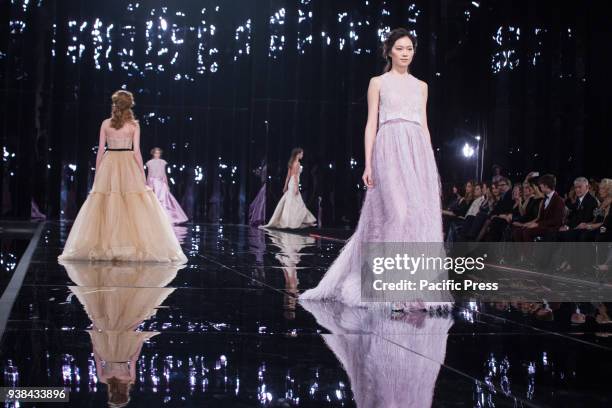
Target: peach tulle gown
point(122, 219)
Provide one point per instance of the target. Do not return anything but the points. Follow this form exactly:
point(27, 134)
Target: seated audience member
point(462, 223)
point(529, 206)
point(494, 226)
point(550, 214)
point(580, 211)
point(454, 198)
point(451, 216)
point(481, 223)
point(500, 216)
point(472, 228)
point(592, 231)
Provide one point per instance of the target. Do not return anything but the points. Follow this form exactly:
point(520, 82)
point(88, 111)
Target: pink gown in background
point(156, 179)
point(404, 204)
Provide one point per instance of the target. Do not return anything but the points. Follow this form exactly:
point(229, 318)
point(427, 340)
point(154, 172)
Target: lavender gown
point(156, 179)
point(404, 204)
point(390, 362)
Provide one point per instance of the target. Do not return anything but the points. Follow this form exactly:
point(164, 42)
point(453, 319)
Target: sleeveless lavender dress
point(404, 204)
point(157, 180)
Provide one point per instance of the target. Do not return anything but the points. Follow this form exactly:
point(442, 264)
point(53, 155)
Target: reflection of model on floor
point(118, 298)
point(290, 245)
point(390, 361)
point(291, 212)
point(257, 208)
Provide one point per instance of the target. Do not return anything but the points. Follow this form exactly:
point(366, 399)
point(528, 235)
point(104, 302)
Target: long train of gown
point(404, 204)
point(291, 212)
point(390, 362)
point(121, 219)
point(257, 209)
point(157, 180)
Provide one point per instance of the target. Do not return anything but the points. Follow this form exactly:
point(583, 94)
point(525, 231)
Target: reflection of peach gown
point(121, 219)
point(117, 299)
point(383, 374)
point(120, 297)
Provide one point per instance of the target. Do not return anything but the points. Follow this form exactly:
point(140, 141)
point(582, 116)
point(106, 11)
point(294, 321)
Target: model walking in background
point(291, 212)
point(157, 180)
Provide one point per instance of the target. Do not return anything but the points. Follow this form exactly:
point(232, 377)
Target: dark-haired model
point(291, 212)
point(402, 203)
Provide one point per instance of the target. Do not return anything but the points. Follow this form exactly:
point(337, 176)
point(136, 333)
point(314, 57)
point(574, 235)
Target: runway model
point(402, 202)
point(291, 212)
point(157, 180)
point(121, 219)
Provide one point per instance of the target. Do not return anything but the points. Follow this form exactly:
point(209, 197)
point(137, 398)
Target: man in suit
point(580, 211)
point(550, 216)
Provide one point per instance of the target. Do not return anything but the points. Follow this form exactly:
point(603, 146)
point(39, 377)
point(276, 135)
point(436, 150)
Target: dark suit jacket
point(551, 217)
point(582, 212)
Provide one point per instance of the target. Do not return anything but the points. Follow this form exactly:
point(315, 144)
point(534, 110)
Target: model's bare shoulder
point(375, 81)
point(424, 87)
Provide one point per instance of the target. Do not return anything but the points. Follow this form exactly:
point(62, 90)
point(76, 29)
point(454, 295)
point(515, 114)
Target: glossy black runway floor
point(226, 331)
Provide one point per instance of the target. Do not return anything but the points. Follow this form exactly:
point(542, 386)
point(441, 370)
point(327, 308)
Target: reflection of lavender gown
point(404, 204)
point(390, 363)
point(257, 209)
point(156, 179)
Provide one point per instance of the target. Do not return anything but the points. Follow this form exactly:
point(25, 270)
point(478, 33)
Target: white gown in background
point(291, 212)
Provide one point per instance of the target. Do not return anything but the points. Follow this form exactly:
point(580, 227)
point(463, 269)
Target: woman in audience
point(454, 199)
point(449, 217)
point(517, 198)
point(471, 231)
point(465, 223)
point(530, 204)
point(491, 202)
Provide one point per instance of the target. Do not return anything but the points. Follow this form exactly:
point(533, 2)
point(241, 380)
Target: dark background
point(530, 77)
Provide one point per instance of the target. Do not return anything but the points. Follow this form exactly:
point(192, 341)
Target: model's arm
point(424, 111)
point(137, 154)
point(370, 129)
point(286, 186)
point(101, 145)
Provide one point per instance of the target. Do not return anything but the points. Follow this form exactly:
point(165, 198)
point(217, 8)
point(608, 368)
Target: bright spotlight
point(468, 151)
